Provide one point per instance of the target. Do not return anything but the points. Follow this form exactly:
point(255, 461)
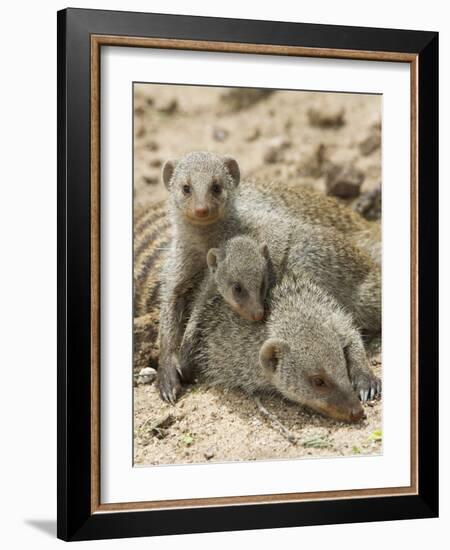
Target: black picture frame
point(75, 518)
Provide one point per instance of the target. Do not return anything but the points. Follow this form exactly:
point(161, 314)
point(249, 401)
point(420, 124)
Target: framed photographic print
point(247, 255)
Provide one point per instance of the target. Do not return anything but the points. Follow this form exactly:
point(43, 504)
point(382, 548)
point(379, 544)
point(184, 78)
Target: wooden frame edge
point(230, 47)
point(237, 47)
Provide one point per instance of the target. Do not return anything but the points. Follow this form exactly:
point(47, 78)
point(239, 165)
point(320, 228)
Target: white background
point(28, 289)
point(120, 482)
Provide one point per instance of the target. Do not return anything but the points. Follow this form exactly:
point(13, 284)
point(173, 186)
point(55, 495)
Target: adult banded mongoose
point(207, 208)
point(308, 350)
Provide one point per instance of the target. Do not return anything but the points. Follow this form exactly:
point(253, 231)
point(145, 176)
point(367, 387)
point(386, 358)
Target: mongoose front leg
point(364, 382)
point(181, 275)
point(169, 376)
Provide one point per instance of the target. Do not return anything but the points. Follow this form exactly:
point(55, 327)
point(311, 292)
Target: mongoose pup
point(308, 350)
point(240, 272)
point(207, 208)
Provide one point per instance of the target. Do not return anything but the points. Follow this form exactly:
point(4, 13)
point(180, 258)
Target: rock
point(151, 146)
point(369, 204)
point(140, 131)
point(326, 117)
point(275, 149)
point(146, 375)
point(168, 107)
point(252, 134)
point(209, 454)
point(238, 99)
point(139, 110)
point(220, 134)
point(371, 143)
point(317, 164)
point(155, 163)
point(344, 181)
point(151, 180)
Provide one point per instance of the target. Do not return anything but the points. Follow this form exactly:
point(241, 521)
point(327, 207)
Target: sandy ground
point(328, 141)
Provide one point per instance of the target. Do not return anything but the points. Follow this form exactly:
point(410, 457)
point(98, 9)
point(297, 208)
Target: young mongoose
point(201, 207)
point(207, 208)
point(308, 350)
point(240, 271)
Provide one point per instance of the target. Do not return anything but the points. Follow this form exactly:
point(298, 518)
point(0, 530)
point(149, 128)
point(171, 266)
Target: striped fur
point(152, 238)
point(153, 235)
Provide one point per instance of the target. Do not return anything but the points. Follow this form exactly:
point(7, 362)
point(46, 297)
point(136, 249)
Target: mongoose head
point(312, 371)
point(306, 354)
point(201, 185)
point(241, 272)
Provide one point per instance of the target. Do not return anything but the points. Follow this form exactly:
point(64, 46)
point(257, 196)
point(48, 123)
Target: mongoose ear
point(271, 353)
point(264, 250)
point(167, 172)
point(213, 258)
point(233, 168)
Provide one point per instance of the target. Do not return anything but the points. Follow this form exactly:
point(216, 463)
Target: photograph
point(257, 291)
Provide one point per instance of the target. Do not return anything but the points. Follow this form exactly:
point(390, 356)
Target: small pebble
point(220, 134)
point(209, 454)
point(146, 375)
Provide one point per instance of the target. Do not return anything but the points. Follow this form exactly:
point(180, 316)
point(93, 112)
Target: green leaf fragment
point(188, 439)
point(376, 435)
point(317, 443)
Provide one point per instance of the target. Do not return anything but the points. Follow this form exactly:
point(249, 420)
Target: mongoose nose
point(201, 211)
point(357, 413)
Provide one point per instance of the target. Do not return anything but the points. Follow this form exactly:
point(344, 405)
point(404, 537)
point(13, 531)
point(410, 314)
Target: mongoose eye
point(187, 189)
point(237, 288)
point(318, 382)
point(216, 188)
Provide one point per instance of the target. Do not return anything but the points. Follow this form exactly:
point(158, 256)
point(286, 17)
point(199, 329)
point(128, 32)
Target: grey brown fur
point(202, 219)
point(241, 272)
point(308, 350)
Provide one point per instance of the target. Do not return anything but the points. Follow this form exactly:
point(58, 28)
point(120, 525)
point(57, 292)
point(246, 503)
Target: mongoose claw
point(366, 385)
point(168, 383)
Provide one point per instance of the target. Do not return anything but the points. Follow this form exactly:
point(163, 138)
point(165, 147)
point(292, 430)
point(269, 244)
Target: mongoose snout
point(357, 414)
point(201, 211)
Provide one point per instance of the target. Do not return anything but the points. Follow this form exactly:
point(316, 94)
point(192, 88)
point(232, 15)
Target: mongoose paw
point(366, 385)
point(168, 382)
